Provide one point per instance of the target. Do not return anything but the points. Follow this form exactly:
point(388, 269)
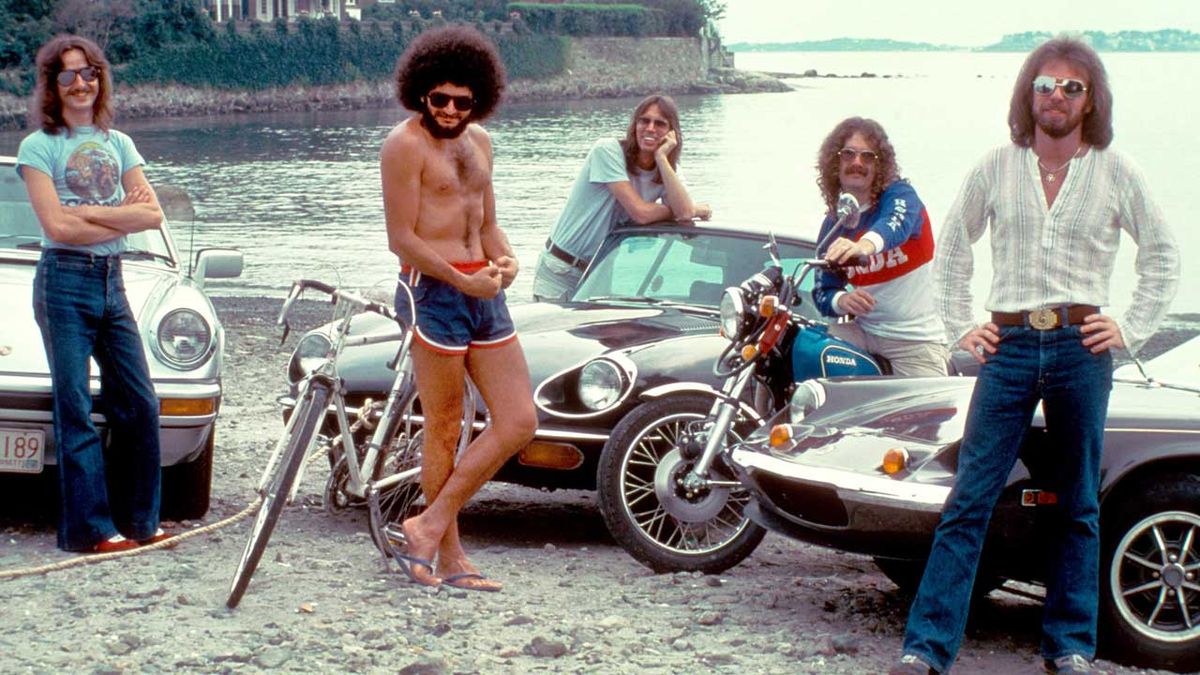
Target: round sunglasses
point(66, 77)
point(439, 100)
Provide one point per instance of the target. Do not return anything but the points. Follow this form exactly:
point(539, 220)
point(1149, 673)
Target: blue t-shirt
point(592, 210)
point(87, 166)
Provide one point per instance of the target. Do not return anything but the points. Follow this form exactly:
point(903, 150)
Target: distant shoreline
point(141, 102)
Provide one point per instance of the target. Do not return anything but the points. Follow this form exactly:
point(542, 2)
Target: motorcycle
point(702, 525)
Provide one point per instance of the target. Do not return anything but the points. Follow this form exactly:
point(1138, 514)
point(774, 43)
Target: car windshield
point(19, 227)
point(688, 267)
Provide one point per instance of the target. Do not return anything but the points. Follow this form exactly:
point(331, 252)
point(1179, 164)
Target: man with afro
point(455, 264)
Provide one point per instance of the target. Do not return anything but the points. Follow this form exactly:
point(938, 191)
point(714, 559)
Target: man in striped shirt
point(1056, 201)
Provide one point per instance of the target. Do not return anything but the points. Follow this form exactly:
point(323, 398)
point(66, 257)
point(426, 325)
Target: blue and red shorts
point(450, 321)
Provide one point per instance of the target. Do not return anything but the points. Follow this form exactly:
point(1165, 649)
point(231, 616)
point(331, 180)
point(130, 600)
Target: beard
point(1058, 129)
point(438, 131)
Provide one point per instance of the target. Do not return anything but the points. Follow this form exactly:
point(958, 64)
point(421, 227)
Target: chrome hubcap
point(1153, 577)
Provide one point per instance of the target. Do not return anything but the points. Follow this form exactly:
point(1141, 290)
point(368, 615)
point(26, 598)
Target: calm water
point(299, 193)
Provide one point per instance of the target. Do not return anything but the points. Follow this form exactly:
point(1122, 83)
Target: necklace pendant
point(1049, 178)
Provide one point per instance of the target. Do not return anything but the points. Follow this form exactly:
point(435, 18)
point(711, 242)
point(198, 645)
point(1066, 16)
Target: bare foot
point(462, 574)
point(419, 549)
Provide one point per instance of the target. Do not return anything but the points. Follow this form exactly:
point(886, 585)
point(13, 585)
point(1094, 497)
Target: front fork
point(725, 410)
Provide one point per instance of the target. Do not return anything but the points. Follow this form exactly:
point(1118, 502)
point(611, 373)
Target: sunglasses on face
point(651, 122)
point(439, 100)
point(847, 155)
point(67, 77)
point(1044, 85)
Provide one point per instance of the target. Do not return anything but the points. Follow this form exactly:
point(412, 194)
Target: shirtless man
point(441, 222)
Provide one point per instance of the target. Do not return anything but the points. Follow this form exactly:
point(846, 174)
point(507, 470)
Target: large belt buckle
point(1043, 319)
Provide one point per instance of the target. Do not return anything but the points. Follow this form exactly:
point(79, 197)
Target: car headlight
point(311, 352)
point(184, 338)
point(808, 397)
point(600, 384)
point(733, 313)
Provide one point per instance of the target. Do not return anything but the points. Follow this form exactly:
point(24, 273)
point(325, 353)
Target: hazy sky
point(956, 22)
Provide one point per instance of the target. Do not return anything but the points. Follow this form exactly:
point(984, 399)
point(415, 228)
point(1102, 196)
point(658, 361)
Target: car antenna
point(177, 206)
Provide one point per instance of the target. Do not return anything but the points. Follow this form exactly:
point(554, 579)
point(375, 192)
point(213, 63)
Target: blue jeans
point(79, 303)
point(1073, 385)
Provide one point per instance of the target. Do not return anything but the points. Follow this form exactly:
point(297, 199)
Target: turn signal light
point(187, 406)
point(551, 456)
point(766, 307)
point(895, 460)
point(780, 434)
point(749, 352)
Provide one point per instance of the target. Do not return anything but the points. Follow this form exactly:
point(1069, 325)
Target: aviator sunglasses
point(1044, 85)
point(439, 100)
point(655, 123)
point(66, 77)
point(867, 156)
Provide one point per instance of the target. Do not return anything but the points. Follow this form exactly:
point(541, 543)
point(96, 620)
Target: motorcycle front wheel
point(649, 513)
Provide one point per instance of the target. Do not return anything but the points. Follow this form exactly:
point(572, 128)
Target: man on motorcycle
point(892, 299)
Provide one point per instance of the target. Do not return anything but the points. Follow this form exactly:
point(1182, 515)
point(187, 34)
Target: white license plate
point(21, 450)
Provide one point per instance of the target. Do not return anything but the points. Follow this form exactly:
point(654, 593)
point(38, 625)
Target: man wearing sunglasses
point(1056, 200)
point(633, 179)
point(86, 185)
point(455, 262)
point(892, 300)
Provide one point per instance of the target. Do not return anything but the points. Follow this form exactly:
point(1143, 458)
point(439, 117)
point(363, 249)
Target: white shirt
point(1047, 256)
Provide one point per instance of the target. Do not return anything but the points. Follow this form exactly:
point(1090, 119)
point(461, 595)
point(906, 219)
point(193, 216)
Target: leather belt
point(1046, 319)
point(578, 263)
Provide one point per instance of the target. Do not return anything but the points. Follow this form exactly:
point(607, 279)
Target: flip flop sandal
point(456, 580)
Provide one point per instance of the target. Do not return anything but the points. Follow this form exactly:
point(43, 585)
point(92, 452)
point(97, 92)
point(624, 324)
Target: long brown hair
point(1097, 121)
point(666, 105)
point(46, 106)
point(829, 167)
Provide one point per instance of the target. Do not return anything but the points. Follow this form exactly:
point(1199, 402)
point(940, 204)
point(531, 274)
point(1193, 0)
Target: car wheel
point(187, 487)
point(646, 512)
point(1150, 574)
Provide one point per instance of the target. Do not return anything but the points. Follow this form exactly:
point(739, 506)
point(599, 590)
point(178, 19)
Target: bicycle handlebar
point(336, 296)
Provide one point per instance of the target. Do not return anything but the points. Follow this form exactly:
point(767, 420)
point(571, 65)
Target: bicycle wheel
point(401, 462)
point(311, 410)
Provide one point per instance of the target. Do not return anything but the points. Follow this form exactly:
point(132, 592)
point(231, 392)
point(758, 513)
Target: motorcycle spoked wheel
point(648, 515)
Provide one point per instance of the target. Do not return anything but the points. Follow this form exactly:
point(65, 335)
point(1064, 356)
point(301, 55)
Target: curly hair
point(459, 55)
point(1097, 119)
point(629, 145)
point(829, 166)
point(45, 105)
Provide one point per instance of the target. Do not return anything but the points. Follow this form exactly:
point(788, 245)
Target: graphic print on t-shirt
point(92, 173)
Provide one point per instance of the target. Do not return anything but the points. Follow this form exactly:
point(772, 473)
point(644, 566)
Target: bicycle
point(382, 470)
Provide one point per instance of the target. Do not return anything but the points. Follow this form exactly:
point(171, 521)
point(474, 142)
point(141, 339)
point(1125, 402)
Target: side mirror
point(217, 263)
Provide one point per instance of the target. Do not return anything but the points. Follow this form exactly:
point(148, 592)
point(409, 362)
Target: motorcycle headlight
point(184, 338)
point(808, 397)
point(600, 384)
point(733, 313)
point(310, 353)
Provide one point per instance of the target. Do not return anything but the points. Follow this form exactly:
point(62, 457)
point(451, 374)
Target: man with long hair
point(441, 222)
point(1056, 200)
point(86, 185)
point(633, 179)
point(891, 303)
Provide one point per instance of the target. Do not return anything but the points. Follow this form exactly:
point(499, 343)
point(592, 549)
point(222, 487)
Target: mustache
point(856, 170)
point(79, 90)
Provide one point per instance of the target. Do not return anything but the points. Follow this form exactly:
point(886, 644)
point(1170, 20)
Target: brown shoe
point(115, 545)
point(911, 664)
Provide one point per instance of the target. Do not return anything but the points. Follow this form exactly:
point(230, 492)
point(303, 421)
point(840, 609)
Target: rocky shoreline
point(169, 100)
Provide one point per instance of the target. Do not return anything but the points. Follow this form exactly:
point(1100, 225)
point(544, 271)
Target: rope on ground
point(101, 557)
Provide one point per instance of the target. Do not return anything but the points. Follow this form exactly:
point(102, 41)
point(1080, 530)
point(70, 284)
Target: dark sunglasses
point(67, 76)
point(1044, 85)
point(439, 100)
point(651, 122)
point(867, 156)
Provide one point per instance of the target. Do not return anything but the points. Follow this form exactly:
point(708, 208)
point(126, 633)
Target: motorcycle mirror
point(772, 248)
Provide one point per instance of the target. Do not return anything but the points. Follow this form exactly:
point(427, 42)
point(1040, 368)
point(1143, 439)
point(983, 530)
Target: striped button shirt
point(1047, 256)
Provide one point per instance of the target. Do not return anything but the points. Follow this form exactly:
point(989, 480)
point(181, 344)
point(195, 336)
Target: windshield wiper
point(143, 254)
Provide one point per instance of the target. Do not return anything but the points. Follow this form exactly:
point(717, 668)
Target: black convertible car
point(866, 465)
point(628, 358)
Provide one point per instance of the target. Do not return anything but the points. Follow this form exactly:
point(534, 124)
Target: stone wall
point(600, 67)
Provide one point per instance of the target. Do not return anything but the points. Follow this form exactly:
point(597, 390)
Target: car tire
point(635, 513)
point(187, 487)
point(1141, 619)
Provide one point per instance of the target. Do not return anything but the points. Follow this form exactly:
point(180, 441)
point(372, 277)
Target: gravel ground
point(322, 601)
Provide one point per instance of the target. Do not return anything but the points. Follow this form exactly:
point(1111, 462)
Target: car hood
point(21, 350)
